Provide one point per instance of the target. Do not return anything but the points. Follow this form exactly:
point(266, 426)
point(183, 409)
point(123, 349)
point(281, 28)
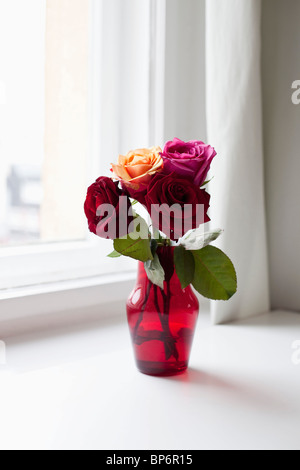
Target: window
point(22, 52)
point(76, 89)
point(43, 120)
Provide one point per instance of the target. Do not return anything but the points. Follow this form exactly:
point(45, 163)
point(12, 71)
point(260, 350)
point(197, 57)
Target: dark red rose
point(176, 205)
point(106, 208)
point(137, 195)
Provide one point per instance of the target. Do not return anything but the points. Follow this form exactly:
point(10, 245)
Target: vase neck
point(166, 258)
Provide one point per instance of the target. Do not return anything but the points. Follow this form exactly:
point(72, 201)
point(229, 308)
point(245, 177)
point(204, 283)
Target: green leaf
point(197, 239)
point(137, 249)
point(215, 276)
point(114, 254)
point(136, 244)
point(155, 271)
point(206, 182)
point(184, 265)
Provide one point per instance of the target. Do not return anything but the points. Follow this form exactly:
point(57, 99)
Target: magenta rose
point(106, 208)
point(188, 159)
point(176, 205)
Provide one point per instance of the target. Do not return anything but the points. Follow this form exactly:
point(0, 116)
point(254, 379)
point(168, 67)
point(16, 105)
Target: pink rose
point(188, 159)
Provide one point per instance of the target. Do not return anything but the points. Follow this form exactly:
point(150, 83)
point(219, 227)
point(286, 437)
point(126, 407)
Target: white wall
point(281, 66)
point(185, 70)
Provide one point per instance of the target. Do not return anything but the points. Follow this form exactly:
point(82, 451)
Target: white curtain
point(234, 125)
point(281, 67)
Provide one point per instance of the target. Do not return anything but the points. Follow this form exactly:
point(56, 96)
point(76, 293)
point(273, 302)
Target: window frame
point(64, 266)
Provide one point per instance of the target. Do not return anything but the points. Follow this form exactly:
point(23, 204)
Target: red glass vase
point(162, 322)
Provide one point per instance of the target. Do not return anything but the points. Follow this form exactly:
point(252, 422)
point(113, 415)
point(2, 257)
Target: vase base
point(159, 369)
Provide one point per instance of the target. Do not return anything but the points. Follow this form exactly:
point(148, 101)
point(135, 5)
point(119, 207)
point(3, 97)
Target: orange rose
point(137, 167)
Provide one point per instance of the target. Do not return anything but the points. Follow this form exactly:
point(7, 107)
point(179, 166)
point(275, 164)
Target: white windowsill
point(78, 388)
point(87, 295)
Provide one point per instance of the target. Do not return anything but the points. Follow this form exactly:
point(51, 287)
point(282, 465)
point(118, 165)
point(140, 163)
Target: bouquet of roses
point(170, 185)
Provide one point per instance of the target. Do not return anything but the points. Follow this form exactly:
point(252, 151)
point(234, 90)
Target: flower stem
point(140, 319)
point(169, 340)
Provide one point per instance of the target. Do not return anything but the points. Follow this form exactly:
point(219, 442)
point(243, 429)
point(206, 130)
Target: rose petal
point(137, 171)
point(121, 172)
